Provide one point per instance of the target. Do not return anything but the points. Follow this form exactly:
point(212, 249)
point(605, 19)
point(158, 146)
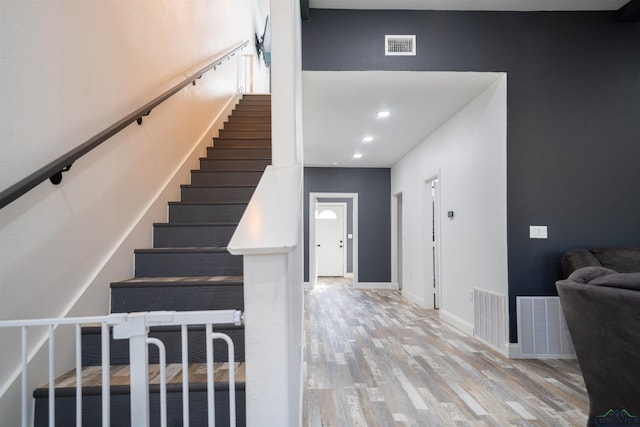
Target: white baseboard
point(413, 297)
point(376, 285)
point(456, 322)
point(513, 350)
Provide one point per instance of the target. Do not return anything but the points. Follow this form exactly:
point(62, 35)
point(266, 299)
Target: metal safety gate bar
point(135, 328)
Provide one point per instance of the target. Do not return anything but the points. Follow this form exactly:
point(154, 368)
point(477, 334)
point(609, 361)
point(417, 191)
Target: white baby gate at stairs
point(135, 328)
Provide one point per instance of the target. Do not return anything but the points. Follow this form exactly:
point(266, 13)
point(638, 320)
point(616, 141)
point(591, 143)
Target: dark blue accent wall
point(373, 186)
point(573, 113)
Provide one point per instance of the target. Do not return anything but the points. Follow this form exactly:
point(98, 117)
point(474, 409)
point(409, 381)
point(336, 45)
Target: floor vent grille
point(542, 329)
point(400, 45)
point(490, 318)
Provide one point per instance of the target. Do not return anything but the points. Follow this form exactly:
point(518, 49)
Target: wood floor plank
point(373, 358)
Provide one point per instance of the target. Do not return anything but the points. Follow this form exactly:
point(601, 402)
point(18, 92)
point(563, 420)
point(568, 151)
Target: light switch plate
point(537, 231)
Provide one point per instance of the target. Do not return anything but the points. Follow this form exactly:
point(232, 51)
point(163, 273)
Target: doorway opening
point(431, 247)
point(399, 239)
point(325, 259)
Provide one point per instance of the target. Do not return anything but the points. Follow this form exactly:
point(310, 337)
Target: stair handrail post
point(135, 329)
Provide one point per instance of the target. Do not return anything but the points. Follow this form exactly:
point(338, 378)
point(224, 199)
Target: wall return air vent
point(399, 45)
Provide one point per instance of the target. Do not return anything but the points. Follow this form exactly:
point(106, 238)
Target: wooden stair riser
point(192, 235)
point(246, 106)
point(237, 153)
point(249, 119)
point(255, 101)
point(258, 96)
point(130, 298)
point(241, 143)
point(247, 126)
point(248, 165)
point(245, 134)
point(165, 263)
point(205, 212)
point(225, 178)
point(172, 339)
point(121, 408)
point(250, 115)
point(216, 194)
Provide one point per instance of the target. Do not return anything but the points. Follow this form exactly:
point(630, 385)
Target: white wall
point(469, 154)
point(69, 69)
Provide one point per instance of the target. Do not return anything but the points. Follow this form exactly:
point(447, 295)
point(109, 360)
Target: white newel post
point(268, 236)
point(267, 339)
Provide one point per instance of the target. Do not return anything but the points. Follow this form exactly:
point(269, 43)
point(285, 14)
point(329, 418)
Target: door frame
point(343, 205)
point(313, 201)
point(397, 198)
point(433, 248)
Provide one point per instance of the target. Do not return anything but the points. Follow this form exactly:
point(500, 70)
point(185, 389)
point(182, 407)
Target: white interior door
point(330, 239)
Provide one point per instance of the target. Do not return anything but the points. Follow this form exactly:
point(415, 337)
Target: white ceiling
point(339, 107)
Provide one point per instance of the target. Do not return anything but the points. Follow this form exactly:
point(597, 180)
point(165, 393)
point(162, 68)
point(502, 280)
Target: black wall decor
point(573, 114)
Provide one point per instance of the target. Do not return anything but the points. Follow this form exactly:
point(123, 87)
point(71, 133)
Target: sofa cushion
point(576, 259)
point(622, 260)
point(588, 274)
point(629, 281)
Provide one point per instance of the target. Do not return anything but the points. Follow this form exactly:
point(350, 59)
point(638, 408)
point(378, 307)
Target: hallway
point(372, 358)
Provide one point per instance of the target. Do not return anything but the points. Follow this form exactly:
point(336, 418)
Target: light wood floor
point(373, 358)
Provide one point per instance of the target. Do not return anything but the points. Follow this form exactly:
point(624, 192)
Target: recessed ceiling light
point(367, 139)
point(383, 114)
point(357, 156)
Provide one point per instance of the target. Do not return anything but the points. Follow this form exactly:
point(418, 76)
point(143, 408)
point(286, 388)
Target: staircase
point(188, 268)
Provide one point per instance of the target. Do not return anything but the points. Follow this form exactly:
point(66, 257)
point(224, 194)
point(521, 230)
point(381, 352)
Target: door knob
point(317, 246)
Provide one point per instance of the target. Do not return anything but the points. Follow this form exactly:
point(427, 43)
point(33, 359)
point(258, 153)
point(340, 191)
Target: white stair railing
point(135, 328)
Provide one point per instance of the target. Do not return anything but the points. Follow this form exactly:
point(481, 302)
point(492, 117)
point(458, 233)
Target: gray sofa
point(601, 302)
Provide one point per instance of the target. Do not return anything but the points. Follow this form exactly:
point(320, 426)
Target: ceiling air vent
point(400, 45)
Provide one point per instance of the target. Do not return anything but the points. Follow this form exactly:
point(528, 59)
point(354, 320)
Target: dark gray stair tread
point(245, 134)
point(242, 143)
point(205, 212)
point(209, 193)
point(193, 234)
point(171, 336)
point(196, 224)
point(218, 186)
point(247, 165)
point(198, 261)
point(177, 294)
point(238, 153)
point(178, 281)
point(242, 114)
point(200, 177)
point(257, 101)
point(248, 125)
point(181, 250)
